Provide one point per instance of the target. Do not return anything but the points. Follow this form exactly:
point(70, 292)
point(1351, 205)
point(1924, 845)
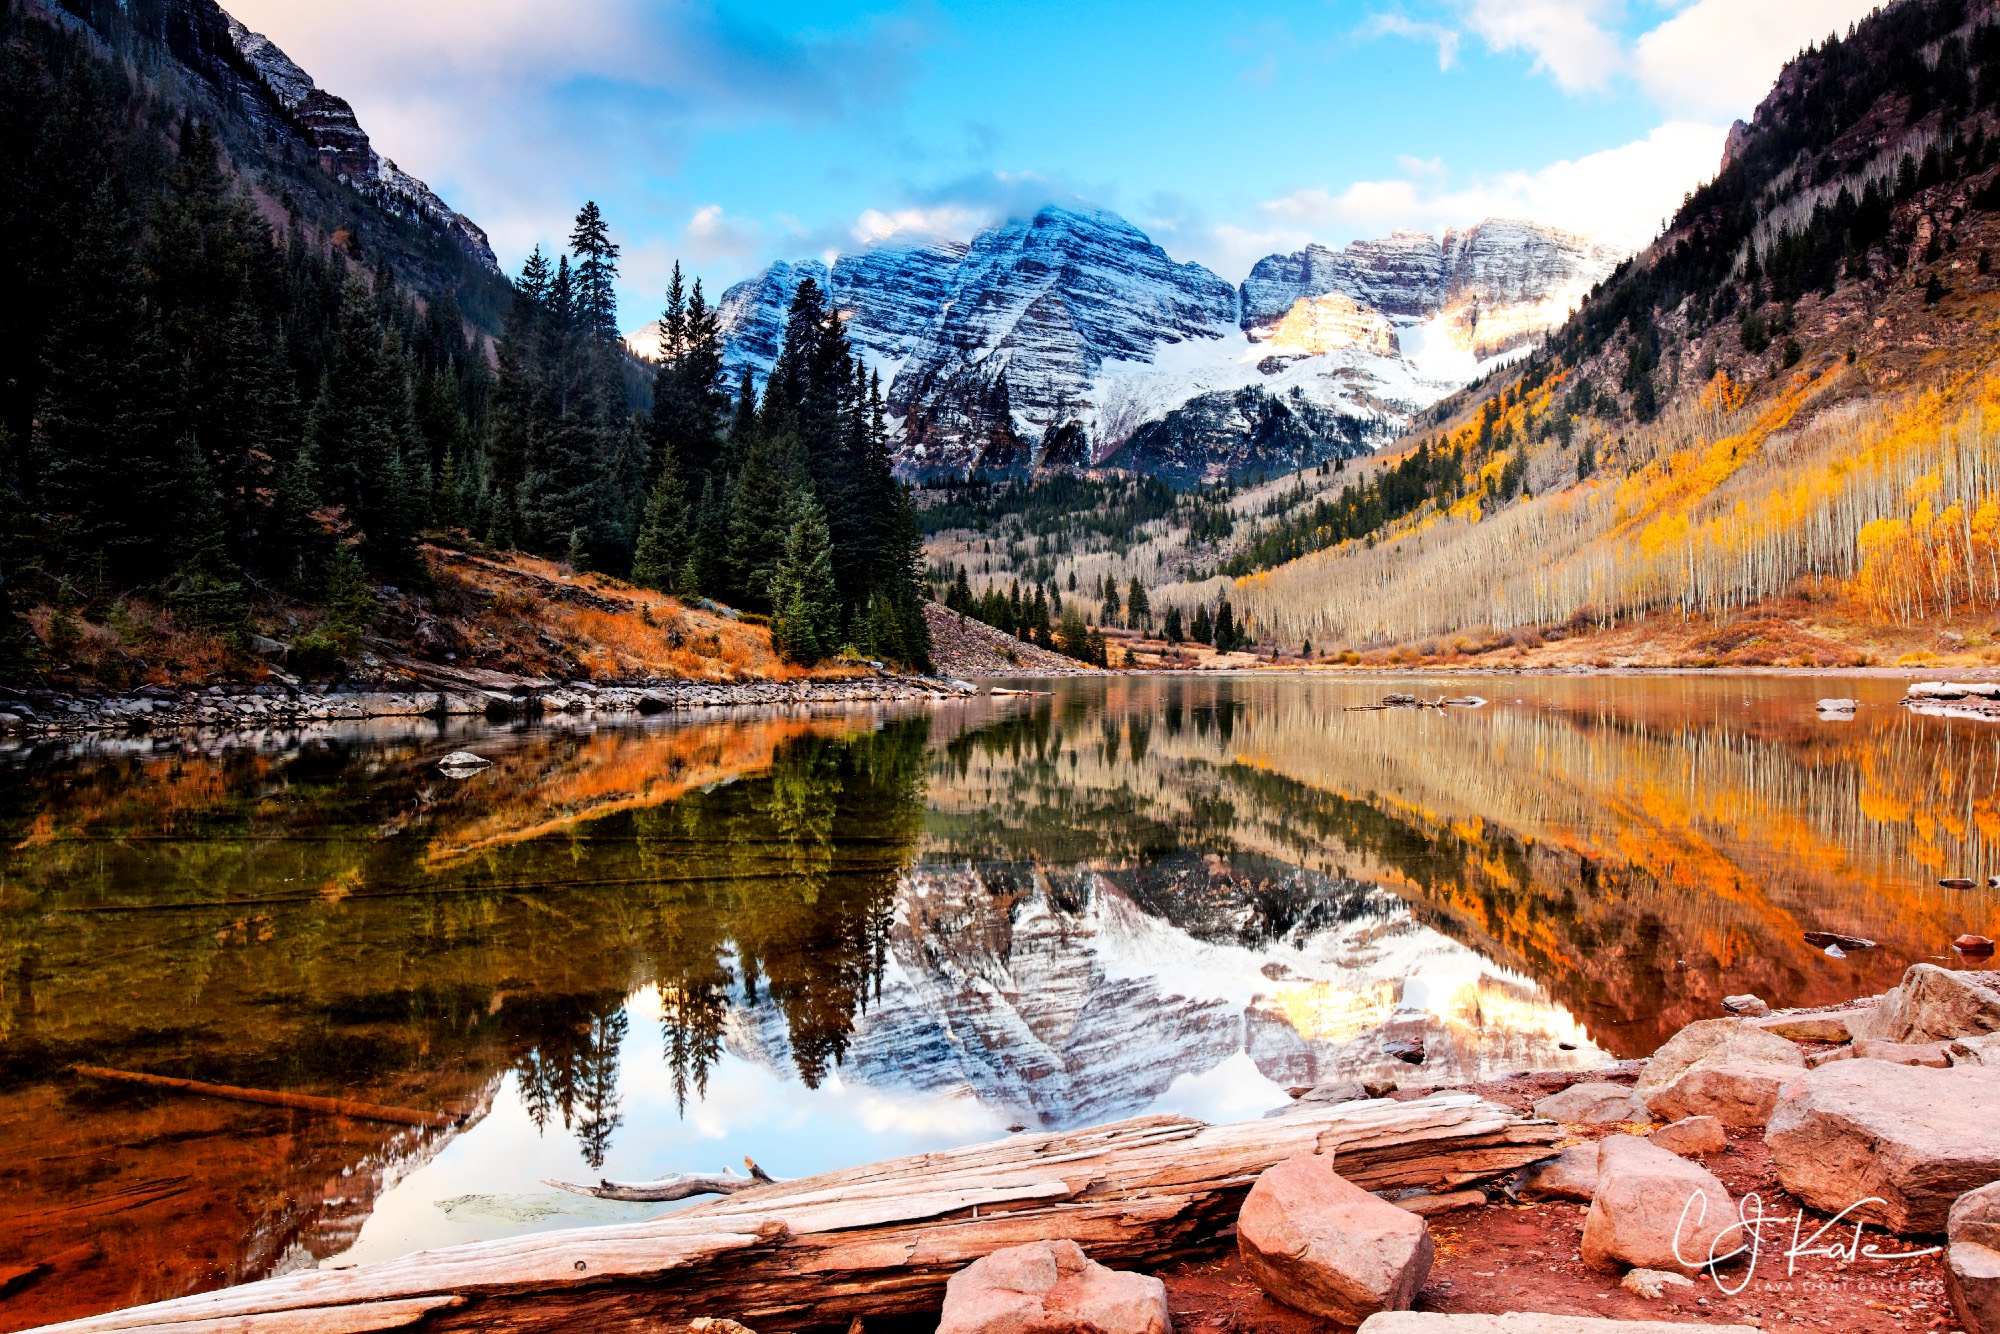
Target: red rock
point(1911, 1137)
point(1714, 1042)
point(1972, 1264)
point(1736, 1095)
point(1655, 1211)
point(1051, 1287)
point(1570, 1175)
point(1691, 1136)
point(1592, 1103)
point(1321, 1244)
point(1971, 944)
point(1933, 1054)
point(1932, 1004)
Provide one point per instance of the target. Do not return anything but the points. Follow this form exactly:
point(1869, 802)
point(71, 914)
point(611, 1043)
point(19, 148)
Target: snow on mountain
point(344, 150)
point(1070, 339)
point(1063, 1013)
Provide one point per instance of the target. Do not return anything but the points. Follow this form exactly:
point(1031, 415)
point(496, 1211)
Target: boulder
point(1652, 1284)
point(1593, 1103)
point(1653, 1210)
point(1715, 1042)
point(1972, 1262)
point(1934, 1054)
point(1427, 1203)
point(1750, 1007)
point(1908, 1136)
point(1933, 1004)
point(1736, 1095)
point(1823, 1026)
point(1051, 1287)
point(1321, 1244)
point(1691, 1136)
point(1976, 1051)
point(1530, 1322)
point(1570, 1175)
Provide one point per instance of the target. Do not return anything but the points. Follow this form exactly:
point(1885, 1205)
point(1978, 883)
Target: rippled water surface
point(819, 939)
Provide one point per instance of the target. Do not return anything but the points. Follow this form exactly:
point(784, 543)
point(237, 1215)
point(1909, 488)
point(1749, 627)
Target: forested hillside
point(239, 393)
point(1780, 411)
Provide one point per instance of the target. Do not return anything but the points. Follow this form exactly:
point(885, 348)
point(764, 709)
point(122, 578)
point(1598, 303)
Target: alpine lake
point(816, 939)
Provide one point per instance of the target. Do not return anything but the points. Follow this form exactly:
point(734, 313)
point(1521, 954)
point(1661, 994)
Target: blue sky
point(728, 134)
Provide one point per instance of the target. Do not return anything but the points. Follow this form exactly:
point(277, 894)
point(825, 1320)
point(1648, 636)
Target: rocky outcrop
point(1653, 1210)
point(329, 128)
point(1320, 1244)
point(1714, 1042)
point(1213, 437)
point(1051, 1287)
point(1736, 1095)
point(1906, 1138)
point(1933, 1004)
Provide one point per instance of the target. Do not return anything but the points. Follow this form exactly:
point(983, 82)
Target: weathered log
point(675, 1186)
point(881, 1240)
point(347, 1107)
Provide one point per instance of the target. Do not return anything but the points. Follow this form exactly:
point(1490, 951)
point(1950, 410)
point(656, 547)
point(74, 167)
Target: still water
point(817, 939)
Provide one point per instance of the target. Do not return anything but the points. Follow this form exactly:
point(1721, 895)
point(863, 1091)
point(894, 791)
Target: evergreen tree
point(1226, 638)
point(1173, 631)
point(1138, 607)
point(1203, 629)
point(805, 604)
point(662, 549)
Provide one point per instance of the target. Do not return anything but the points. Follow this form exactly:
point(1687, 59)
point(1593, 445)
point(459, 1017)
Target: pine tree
point(1138, 607)
point(663, 536)
point(1203, 629)
point(1226, 640)
point(596, 298)
point(805, 604)
point(1173, 631)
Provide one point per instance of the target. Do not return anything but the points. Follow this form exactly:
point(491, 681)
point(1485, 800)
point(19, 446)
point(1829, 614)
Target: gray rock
point(1910, 1137)
point(1592, 1103)
point(1570, 1175)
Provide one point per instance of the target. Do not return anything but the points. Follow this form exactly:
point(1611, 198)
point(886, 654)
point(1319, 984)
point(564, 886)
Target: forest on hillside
point(215, 402)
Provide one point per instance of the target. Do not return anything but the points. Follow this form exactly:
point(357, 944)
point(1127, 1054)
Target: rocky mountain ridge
point(1071, 340)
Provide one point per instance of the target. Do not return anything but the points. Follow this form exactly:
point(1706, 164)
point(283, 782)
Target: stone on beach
point(1570, 1175)
point(1653, 1210)
point(1712, 1042)
point(1933, 1004)
point(1972, 1262)
point(1690, 1136)
point(1051, 1287)
point(1530, 1322)
point(1592, 1103)
point(1908, 1136)
point(1652, 1284)
point(1742, 1096)
point(1750, 1007)
point(1316, 1242)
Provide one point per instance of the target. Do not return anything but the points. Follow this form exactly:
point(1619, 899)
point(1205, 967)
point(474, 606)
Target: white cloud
point(1568, 38)
point(1397, 25)
point(1621, 195)
point(1716, 59)
point(945, 221)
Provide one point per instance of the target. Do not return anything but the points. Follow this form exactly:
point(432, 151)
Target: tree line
point(218, 404)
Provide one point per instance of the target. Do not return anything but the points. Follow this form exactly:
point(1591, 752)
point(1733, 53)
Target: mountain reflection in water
point(822, 938)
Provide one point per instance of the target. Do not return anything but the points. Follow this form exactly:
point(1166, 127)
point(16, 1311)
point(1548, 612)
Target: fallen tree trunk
point(881, 1240)
point(678, 1186)
point(347, 1107)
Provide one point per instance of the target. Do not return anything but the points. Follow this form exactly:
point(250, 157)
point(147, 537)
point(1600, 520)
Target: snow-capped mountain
point(1072, 1003)
point(1070, 339)
point(329, 126)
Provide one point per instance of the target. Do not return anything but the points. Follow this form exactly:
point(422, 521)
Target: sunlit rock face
point(1064, 1000)
point(1490, 289)
point(1317, 324)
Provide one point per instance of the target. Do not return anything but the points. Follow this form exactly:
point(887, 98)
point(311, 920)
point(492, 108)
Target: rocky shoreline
point(153, 708)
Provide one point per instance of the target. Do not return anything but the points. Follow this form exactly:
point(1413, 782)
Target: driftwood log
point(878, 1240)
point(305, 1102)
point(679, 1186)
